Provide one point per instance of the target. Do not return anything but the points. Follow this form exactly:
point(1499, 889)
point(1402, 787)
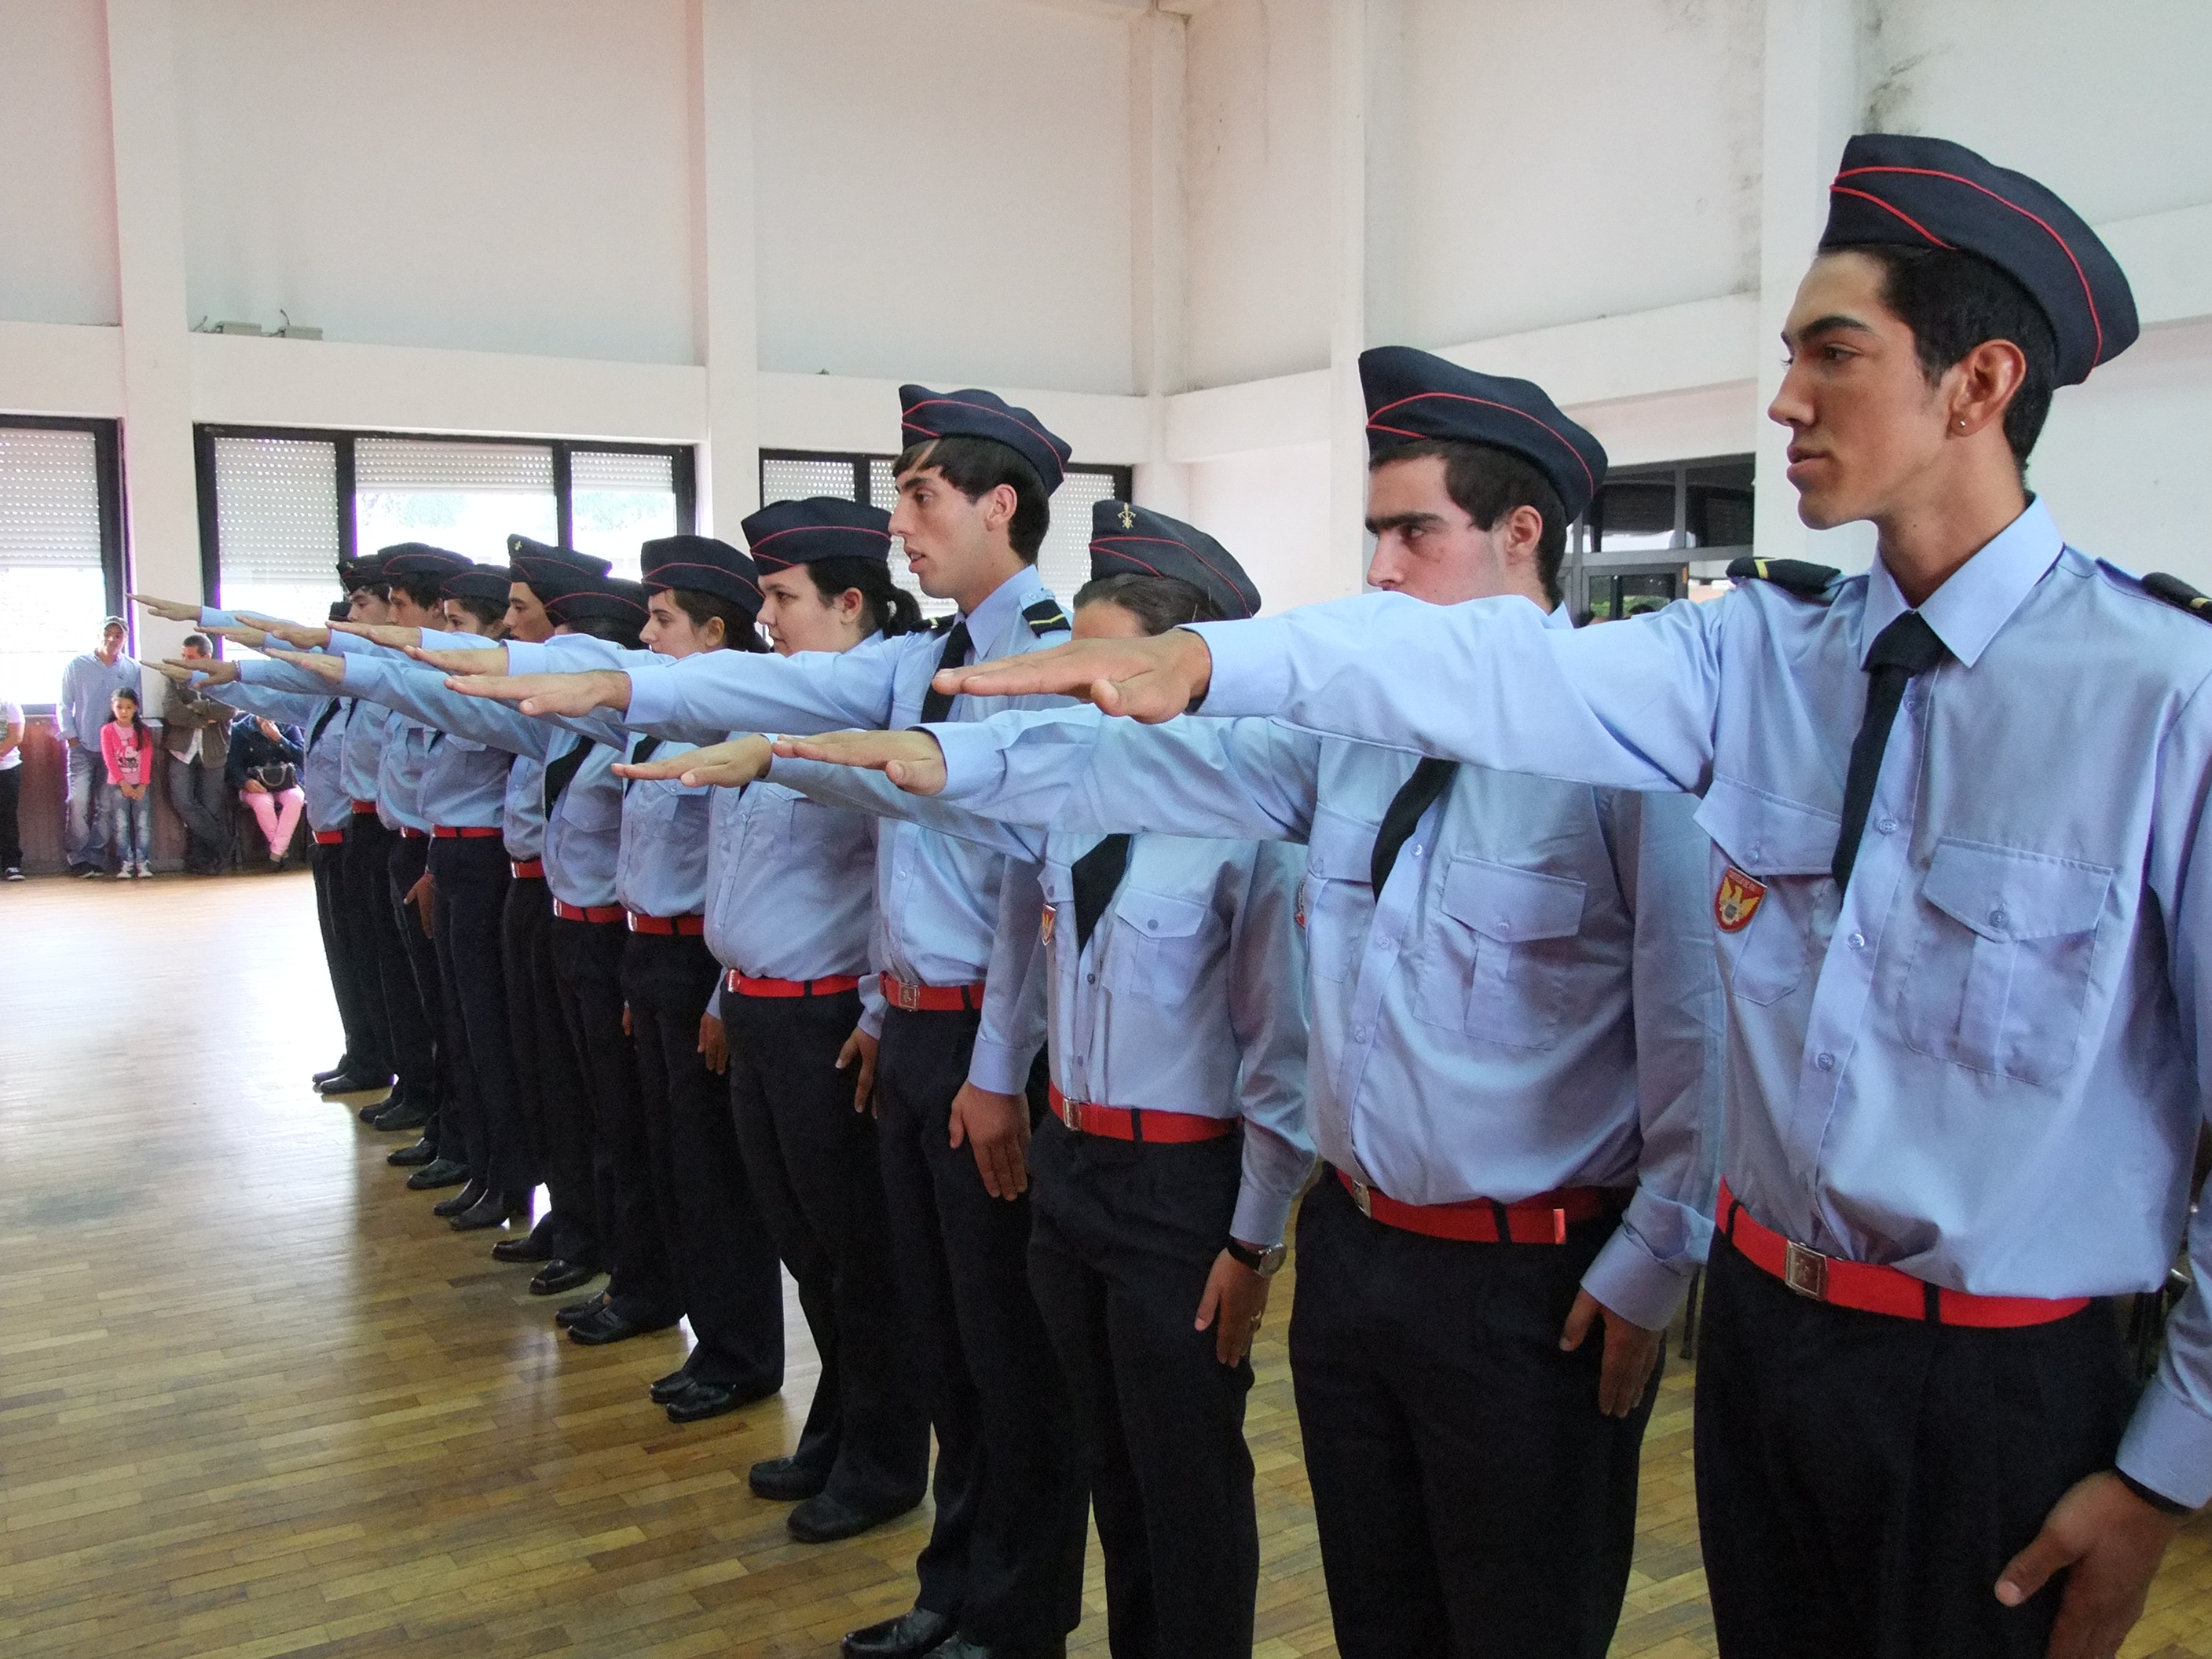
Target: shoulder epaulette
point(2179, 594)
point(943, 625)
point(1046, 616)
point(1805, 580)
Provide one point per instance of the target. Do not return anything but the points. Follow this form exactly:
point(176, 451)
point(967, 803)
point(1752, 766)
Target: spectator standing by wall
point(263, 768)
point(126, 749)
point(196, 733)
point(11, 790)
point(88, 684)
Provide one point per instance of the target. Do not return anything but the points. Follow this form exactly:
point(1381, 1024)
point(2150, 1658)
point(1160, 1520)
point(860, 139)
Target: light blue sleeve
point(1630, 705)
point(286, 707)
point(1267, 1011)
point(1014, 1020)
point(860, 790)
point(285, 676)
point(421, 693)
point(1074, 768)
point(574, 653)
point(723, 691)
point(1644, 1270)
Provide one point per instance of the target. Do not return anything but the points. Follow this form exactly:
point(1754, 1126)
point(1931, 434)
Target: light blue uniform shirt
point(466, 782)
point(937, 898)
point(328, 807)
point(88, 685)
point(1533, 1005)
point(1982, 1064)
point(1190, 996)
point(367, 724)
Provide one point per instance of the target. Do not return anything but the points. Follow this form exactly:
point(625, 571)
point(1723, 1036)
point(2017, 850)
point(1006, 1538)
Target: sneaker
point(90, 872)
point(145, 870)
point(12, 873)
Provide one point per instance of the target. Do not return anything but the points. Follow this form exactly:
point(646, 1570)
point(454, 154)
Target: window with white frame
point(61, 570)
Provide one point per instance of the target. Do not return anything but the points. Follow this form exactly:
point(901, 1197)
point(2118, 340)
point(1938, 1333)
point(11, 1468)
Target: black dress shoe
point(532, 1246)
point(473, 1193)
point(423, 1151)
point(706, 1400)
point(341, 1069)
point(823, 1519)
point(405, 1116)
point(963, 1647)
point(607, 1326)
point(441, 1172)
point(784, 1480)
point(589, 1305)
point(557, 1277)
point(666, 1388)
point(909, 1636)
point(353, 1083)
point(492, 1210)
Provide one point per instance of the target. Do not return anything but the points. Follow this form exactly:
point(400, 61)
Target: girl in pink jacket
point(127, 745)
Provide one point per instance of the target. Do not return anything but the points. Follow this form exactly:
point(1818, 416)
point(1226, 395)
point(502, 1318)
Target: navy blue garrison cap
point(924, 414)
point(420, 559)
point(1931, 193)
point(600, 596)
point(548, 571)
point(700, 564)
point(478, 581)
point(1413, 396)
point(363, 572)
point(1128, 540)
point(785, 533)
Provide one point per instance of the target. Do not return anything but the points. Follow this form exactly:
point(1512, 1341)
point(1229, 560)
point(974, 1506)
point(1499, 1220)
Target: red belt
point(405, 833)
point(467, 832)
point(594, 913)
point(688, 925)
point(931, 998)
point(1539, 1220)
point(329, 837)
point(789, 987)
point(1133, 1123)
point(1873, 1289)
point(527, 869)
point(361, 806)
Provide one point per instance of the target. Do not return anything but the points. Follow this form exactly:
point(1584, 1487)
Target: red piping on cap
point(1890, 208)
point(653, 576)
point(1038, 433)
point(1161, 541)
point(2088, 294)
point(1462, 396)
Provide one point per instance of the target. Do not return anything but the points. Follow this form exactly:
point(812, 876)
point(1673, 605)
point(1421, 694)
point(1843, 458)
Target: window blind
point(277, 511)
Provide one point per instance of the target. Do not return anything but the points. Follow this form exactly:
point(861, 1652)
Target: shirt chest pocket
point(594, 811)
point(1334, 902)
point(1494, 964)
point(2003, 948)
point(1157, 943)
point(1770, 858)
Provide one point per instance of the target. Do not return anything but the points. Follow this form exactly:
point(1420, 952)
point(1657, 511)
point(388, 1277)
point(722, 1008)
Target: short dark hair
point(487, 612)
point(198, 641)
point(612, 630)
point(1486, 483)
point(340, 610)
point(428, 592)
point(891, 610)
point(1953, 301)
point(1159, 602)
point(976, 466)
point(738, 633)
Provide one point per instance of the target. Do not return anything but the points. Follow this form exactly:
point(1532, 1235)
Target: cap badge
point(1128, 517)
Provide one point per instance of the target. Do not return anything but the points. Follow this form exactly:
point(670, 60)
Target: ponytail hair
point(891, 610)
point(137, 725)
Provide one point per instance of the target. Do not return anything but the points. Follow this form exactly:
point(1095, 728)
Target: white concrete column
point(1348, 219)
point(1812, 101)
point(160, 511)
point(724, 280)
point(1158, 45)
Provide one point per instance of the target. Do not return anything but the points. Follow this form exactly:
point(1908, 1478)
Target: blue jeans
point(127, 826)
point(83, 828)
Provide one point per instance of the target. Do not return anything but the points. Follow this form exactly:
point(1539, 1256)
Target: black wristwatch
point(1263, 1262)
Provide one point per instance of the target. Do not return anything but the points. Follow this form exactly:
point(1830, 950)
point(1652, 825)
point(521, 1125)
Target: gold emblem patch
point(1044, 928)
point(1737, 901)
point(1128, 517)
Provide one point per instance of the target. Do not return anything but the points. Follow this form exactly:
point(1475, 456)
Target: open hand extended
point(731, 765)
point(911, 760)
point(1151, 679)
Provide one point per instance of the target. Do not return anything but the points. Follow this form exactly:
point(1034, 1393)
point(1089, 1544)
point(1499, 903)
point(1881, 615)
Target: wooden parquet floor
point(255, 1400)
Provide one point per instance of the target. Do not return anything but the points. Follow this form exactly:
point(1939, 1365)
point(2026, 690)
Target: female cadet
point(704, 596)
point(790, 888)
point(1178, 1138)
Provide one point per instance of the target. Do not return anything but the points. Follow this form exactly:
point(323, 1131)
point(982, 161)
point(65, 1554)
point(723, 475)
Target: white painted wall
point(943, 192)
point(57, 183)
point(1270, 508)
point(501, 175)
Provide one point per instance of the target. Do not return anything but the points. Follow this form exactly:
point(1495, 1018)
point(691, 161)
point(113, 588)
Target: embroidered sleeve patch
point(1737, 901)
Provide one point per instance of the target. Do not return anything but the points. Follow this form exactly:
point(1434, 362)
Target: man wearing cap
point(1002, 1573)
point(1512, 1067)
point(1968, 1021)
point(88, 684)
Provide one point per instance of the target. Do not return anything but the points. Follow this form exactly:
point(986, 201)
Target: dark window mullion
point(564, 506)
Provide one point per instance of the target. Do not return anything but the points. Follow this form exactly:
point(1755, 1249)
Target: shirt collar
point(992, 618)
point(1981, 595)
point(1558, 617)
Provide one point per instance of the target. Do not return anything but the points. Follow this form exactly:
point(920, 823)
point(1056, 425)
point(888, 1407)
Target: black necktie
point(640, 752)
point(1430, 779)
point(938, 704)
point(1908, 646)
point(1098, 874)
point(560, 770)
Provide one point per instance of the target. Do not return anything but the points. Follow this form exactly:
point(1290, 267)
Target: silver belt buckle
point(1360, 1195)
point(1805, 1271)
point(1070, 1113)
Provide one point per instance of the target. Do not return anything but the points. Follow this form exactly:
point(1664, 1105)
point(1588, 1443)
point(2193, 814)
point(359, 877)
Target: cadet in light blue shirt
point(1956, 806)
